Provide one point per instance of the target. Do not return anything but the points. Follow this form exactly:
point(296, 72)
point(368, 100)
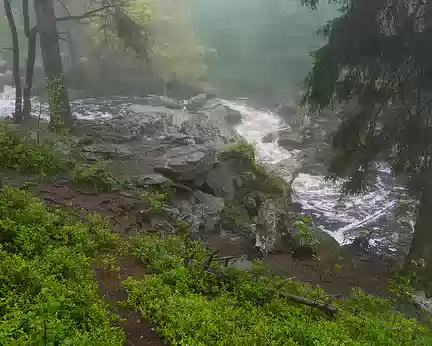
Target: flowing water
point(342, 218)
point(318, 198)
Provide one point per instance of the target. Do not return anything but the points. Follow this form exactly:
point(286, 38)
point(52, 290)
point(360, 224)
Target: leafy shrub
point(47, 291)
point(197, 304)
point(157, 198)
point(95, 177)
point(17, 154)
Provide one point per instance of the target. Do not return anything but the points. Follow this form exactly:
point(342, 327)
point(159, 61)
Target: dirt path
point(137, 330)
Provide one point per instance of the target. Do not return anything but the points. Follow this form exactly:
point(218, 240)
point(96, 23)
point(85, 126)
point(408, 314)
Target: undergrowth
point(27, 155)
point(194, 303)
point(48, 295)
point(95, 177)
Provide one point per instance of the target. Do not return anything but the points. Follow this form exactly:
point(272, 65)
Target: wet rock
point(164, 101)
point(202, 211)
point(290, 143)
point(187, 163)
point(221, 181)
point(210, 127)
point(270, 137)
point(150, 180)
point(273, 222)
point(107, 151)
point(233, 117)
point(196, 102)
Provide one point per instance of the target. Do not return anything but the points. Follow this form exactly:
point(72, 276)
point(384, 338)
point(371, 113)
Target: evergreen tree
point(377, 68)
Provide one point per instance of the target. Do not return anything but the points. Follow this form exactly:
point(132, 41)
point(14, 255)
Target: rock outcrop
point(212, 178)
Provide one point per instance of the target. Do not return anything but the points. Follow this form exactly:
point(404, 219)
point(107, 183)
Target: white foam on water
point(317, 196)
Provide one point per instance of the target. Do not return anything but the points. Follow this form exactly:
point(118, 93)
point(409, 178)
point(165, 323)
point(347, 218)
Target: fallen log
point(330, 310)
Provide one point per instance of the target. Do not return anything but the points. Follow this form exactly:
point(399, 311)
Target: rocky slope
point(192, 153)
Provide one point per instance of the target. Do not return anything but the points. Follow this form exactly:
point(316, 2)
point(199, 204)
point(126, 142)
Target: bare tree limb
point(330, 310)
point(86, 15)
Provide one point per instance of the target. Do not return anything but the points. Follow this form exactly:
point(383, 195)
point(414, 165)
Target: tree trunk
point(60, 112)
point(31, 58)
point(16, 68)
point(421, 246)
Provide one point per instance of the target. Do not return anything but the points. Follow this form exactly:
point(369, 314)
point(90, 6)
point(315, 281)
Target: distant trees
point(124, 26)
point(377, 66)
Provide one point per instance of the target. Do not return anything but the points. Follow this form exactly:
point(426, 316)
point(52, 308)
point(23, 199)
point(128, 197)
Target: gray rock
point(270, 137)
point(196, 102)
point(221, 181)
point(164, 101)
point(202, 211)
point(274, 220)
point(290, 143)
point(234, 117)
point(210, 127)
point(188, 162)
point(150, 180)
point(107, 151)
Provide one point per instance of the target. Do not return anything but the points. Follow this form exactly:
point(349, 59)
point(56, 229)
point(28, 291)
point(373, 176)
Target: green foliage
point(244, 152)
point(303, 232)
point(262, 181)
point(198, 305)
point(234, 216)
point(156, 199)
point(95, 177)
point(47, 291)
point(25, 155)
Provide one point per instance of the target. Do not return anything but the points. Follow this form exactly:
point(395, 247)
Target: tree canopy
point(376, 68)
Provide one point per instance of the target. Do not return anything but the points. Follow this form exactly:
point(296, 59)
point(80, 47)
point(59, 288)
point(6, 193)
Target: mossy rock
point(234, 216)
point(243, 152)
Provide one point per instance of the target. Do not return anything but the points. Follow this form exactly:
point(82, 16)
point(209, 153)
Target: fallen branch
point(330, 310)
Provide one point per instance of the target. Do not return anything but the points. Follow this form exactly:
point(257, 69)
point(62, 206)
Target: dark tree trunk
point(60, 112)
point(16, 68)
point(421, 246)
point(31, 58)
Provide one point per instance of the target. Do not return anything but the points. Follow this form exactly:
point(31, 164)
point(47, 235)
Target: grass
point(196, 305)
point(48, 295)
point(27, 155)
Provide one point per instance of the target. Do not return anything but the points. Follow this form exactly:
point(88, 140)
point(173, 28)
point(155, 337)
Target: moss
point(243, 152)
point(234, 216)
point(256, 176)
point(269, 183)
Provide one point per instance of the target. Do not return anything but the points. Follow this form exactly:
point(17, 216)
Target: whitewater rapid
point(341, 218)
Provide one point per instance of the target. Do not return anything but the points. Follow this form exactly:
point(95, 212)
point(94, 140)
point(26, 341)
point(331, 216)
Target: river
point(320, 199)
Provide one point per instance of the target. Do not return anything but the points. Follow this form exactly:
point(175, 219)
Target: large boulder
point(187, 163)
point(200, 210)
point(164, 101)
point(274, 222)
point(196, 102)
point(210, 127)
